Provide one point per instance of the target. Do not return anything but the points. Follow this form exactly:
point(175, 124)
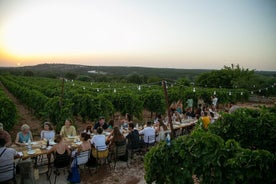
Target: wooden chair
point(7, 173)
point(83, 158)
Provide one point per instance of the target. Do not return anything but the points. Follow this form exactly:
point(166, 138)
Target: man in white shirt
point(99, 140)
point(149, 134)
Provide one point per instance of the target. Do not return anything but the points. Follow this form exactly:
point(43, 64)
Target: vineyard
point(57, 99)
point(238, 148)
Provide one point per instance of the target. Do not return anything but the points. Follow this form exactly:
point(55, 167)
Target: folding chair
point(120, 151)
point(7, 173)
point(61, 162)
point(83, 158)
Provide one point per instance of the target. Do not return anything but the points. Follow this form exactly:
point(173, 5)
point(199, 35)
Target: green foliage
point(208, 157)
point(253, 129)
point(7, 111)
point(154, 101)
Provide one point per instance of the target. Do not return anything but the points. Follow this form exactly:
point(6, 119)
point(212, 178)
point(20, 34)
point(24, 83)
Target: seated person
point(99, 139)
point(133, 137)
point(148, 133)
point(4, 134)
point(68, 129)
point(48, 132)
point(7, 156)
point(206, 120)
point(83, 147)
point(88, 130)
point(116, 138)
point(98, 142)
point(61, 152)
point(160, 129)
point(100, 123)
point(24, 136)
point(110, 125)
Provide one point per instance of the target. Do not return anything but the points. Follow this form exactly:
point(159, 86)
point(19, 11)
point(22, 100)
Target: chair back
point(62, 160)
point(7, 172)
point(83, 157)
point(120, 150)
point(100, 152)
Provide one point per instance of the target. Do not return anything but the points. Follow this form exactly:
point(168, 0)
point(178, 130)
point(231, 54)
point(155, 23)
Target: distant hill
point(55, 70)
point(61, 69)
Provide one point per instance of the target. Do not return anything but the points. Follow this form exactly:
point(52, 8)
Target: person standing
point(68, 129)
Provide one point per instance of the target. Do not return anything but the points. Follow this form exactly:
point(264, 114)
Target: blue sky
point(157, 33)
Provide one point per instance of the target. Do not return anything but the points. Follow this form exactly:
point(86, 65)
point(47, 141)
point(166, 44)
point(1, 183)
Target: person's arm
point(8, 139)
point(51, 150)
point(31, 136)
point(62, 131)
point(17, 140)
point(42, 134)
point(53, 134)
point(74, 132)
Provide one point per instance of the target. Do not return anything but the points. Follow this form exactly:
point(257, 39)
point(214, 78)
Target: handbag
point(74, 176)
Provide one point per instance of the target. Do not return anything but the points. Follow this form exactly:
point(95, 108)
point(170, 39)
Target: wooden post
point(168, 108)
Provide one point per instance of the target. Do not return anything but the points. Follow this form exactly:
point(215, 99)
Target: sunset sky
point(198, 34)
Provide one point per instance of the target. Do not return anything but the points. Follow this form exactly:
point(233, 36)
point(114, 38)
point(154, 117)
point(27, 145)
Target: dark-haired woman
point(48, 133)
point(115, 138)
point(61, 152)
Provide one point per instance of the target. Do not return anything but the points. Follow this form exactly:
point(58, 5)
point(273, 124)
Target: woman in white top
point(160, 129)
point(48, 132)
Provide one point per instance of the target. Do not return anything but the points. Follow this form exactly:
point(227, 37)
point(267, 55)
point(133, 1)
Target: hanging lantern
point(83, 87)
point(98, 90)
point(73, 84)
point(114, 90)
point(194, 90)
point(241, 93)
point(252, 92)
point(215, 92)
point(266, 88)
point(91, 83)
point(139, 88)
point(260, 90)
point(230, 93)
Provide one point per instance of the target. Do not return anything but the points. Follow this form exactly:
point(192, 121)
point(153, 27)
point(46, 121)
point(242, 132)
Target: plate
point(71, 137)
point(31, 152)
point(52, 143)
point(78, 143)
